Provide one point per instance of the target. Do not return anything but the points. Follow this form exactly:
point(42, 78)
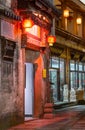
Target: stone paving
point(71, 118)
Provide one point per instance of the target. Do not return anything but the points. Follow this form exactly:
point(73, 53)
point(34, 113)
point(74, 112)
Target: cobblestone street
point(71, 118)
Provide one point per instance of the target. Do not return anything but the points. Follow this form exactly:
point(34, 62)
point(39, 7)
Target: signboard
point(7, 29)
point(35, 37)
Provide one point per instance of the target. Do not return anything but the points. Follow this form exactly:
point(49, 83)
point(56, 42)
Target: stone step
point(48, 116)
point(48, 110)
point(48, 105)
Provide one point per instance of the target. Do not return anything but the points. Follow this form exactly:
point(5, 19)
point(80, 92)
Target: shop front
point(35, 61)
point(24, 59)
point(67, 74)
point(57, 78)
point(35, 54)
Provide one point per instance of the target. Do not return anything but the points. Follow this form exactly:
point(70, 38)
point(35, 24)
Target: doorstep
point(30, 118)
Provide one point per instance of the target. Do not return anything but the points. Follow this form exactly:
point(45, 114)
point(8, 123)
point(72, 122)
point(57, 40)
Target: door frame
point(58, 81)
point(29, 115)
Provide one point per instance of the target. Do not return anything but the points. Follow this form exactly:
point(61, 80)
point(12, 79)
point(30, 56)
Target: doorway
point(55, 86)
point(29, 89)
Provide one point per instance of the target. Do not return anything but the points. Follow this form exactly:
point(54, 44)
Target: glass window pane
point(61, 71)
point(80, 80)
point(84, 67)
point(55, 63)
point(62, 77)
point(83, 80)
point(54, 84)
point(76, 66)
point(72, 66)
point(73, 79)
point(80, 67)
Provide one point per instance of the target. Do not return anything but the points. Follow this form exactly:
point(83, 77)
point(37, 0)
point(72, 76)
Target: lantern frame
point(51, 40)
point(66, 13)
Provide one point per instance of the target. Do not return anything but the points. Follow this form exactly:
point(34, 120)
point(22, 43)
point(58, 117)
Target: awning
point(45, 6)
point(10, 14)
point(57, 51)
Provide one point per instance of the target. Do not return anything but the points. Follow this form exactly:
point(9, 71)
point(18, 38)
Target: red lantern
point(27, 23)
point(51, 39)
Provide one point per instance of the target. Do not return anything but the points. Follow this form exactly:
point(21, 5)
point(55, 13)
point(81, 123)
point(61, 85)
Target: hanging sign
point(35, 37)
point(7, 29)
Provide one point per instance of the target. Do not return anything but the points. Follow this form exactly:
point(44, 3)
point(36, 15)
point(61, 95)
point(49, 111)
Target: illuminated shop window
point(77, 75)
point(57, 77)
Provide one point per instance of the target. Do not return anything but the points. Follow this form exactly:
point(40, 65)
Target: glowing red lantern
point(51, 39)
point(27, 23)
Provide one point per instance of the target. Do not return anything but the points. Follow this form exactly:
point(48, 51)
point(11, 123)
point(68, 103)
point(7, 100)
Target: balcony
point(69, 36)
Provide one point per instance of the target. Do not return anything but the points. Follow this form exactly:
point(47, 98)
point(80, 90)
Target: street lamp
point(78, 21)
point(66, 15)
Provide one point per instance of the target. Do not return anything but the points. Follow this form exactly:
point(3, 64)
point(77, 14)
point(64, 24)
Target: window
point(54, 63)
point(57, 67)
point(77, 74)
point(72, 66)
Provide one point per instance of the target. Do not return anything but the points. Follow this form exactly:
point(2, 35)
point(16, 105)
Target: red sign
point(37, 36)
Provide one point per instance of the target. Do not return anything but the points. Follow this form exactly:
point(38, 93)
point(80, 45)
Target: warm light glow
point(27, 23)
point(79, 20)
point(27, 30)
point(50, 44)
point(66, 13)
point(44, 18)
point(51, 39)
point(40, 15)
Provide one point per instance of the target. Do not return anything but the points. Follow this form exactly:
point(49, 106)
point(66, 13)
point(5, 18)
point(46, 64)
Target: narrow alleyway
point(71, 118)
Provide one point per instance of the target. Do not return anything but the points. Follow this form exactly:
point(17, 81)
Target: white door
point(29, 90)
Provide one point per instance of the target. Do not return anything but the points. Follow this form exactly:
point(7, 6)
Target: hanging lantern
point(79, 20)
point(51, 39)
point(27, 23)
point(66, 13)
